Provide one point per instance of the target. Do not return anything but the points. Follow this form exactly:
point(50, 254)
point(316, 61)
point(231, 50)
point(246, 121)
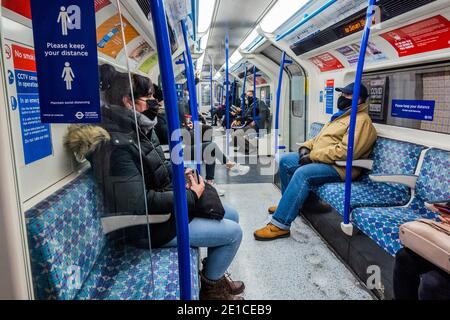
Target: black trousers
point(418, 279)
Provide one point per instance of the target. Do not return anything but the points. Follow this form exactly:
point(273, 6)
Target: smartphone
point(197, 175)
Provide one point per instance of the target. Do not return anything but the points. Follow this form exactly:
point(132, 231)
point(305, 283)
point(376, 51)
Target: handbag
point(429, 239)
point(209, 205)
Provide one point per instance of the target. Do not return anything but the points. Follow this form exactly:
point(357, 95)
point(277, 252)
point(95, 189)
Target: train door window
point(416, 98)
point(81, 192)
point(205, 94)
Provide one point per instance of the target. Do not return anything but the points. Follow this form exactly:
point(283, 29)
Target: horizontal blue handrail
point(306, 19)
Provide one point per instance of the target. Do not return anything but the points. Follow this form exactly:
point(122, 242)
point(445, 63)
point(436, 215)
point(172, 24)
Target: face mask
point(250, 101)
point(344, 103)
point(152, 111)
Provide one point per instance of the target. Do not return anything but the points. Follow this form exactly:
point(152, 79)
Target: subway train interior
point(225, 150)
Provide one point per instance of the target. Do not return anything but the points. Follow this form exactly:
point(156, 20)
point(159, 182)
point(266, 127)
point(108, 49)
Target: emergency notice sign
point(423, 36)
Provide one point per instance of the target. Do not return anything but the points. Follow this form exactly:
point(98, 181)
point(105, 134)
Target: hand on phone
point(198, 186)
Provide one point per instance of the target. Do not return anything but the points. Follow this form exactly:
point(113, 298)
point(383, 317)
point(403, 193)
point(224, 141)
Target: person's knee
point(234, 232)
point(231, 214)
point(434, 286)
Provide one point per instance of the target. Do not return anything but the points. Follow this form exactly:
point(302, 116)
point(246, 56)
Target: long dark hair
point(117, 85)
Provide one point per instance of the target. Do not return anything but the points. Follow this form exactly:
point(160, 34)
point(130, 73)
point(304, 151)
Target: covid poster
point(329, 97)
point(24, 102)
point(423, 36)
point(413, 109)
point(66, 60)
point(378, 89)
point(326, 62)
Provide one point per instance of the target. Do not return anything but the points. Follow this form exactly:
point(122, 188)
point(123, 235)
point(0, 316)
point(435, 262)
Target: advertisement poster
point(66, 60)
point(36, 137)
point(423, 36)
point(413, 109)
point(326, 62)
point(329, 97)
point(109, 36)
point(20, 7)
point(352, 51)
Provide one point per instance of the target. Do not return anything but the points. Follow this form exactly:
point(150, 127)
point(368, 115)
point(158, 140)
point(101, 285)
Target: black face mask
point(250, 101)
point(152, 111)
point(344, 103)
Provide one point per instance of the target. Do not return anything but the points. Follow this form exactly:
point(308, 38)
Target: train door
point(296, 109)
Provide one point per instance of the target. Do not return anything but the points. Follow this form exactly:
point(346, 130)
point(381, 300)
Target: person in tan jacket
point(314, 164)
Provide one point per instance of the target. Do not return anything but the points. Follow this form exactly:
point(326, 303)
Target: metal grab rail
point(346, 226)
point(211, 93)
point(305, 20)
point(179, 182)
point(193, 103)
point(278, 106)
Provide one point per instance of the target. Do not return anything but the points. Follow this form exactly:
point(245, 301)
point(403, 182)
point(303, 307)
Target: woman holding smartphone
point(112, 150)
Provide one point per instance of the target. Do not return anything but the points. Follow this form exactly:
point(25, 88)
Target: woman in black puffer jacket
point(115, 149)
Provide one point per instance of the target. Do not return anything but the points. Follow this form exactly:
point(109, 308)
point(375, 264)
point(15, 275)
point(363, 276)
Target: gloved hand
point(305, 160)
point(303, 151)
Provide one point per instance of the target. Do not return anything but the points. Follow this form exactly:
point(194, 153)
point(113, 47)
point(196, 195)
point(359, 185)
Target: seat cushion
point(125, 273)
point(364, 194)
point(382, 224)
point(65, 237)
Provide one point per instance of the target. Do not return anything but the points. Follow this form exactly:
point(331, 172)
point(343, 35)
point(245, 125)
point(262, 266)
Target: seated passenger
point(112, 149)
point(247, 123)
point(314, 163)
point(418, 279)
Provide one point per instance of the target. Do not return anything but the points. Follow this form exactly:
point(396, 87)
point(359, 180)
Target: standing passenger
point(314, 163)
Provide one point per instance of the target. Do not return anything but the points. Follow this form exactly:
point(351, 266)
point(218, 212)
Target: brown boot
point(217, 290)
point(234, 287)
point(271, 232)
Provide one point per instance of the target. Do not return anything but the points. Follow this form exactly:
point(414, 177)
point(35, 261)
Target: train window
point(205, 94)
point(416, 98)
point(82, 196)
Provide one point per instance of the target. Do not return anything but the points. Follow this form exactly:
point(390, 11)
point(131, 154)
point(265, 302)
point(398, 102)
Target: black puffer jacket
point(117, 168)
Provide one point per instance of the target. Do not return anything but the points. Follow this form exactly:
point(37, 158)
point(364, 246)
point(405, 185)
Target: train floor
point(301, 267)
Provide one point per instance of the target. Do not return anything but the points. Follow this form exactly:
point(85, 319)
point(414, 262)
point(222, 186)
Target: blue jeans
point(296, 183)
point(222, 238)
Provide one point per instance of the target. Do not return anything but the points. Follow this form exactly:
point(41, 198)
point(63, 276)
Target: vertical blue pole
point(254, 93)
point(243, 91)
point(193, 104)
point(233, 92)
point(227, 84)
point(179, 181)
point(356, 92)
point(277, 115)
point(211, 94)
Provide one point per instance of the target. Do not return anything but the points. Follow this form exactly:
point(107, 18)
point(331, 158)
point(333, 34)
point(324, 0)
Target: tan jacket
point(331, 143)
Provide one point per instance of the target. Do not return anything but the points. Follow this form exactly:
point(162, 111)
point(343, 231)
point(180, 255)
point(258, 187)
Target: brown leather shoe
point(234, 287)
point(217, 290)
point(272, 209)
point(271, 232)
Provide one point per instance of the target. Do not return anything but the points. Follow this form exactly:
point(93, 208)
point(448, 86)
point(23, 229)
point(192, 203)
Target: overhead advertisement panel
point(326, 62)
point(423, 36)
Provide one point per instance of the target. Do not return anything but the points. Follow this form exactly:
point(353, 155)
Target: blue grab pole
point(277, 115)
point(227, 83)
point(233, 92)
point(211, 92)
point(193, 104)
point(243, 91)
point(179, 181)
point(254, 93)
point(356, 92)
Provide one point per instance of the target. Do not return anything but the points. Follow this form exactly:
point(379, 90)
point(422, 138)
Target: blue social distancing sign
point(413, 109)
point(66, 59)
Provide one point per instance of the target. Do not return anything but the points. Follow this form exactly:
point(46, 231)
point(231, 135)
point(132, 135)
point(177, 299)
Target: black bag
point(209, 205)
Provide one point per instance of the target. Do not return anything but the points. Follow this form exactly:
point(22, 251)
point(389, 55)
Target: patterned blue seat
point(71, 258)
point(390, 157)
point(382, 224)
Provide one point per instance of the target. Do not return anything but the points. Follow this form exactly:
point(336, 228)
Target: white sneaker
point(238, 170)
point(221, 192)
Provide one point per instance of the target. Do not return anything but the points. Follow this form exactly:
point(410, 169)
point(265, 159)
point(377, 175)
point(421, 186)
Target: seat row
point(389, 193)
point(72, 257)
